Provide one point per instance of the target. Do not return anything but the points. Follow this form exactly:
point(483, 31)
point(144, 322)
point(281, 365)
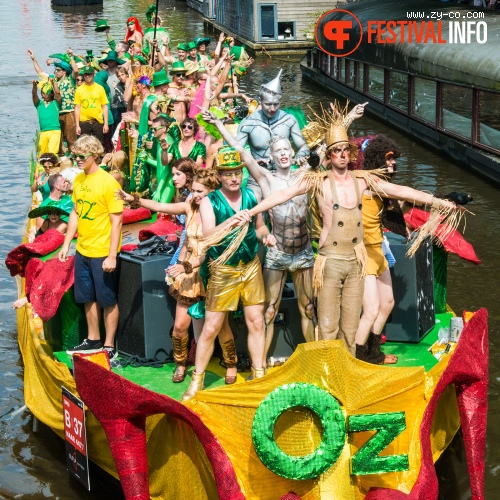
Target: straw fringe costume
point(239, 277)
point(187, 288)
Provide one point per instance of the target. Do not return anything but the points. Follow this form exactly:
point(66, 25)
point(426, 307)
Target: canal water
point(32, 464)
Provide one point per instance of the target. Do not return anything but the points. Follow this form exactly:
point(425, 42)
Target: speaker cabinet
point(287, 329)
point(413, 286)
point(146, 308)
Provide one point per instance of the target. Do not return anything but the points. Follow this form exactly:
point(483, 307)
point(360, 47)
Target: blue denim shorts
point(92, 284)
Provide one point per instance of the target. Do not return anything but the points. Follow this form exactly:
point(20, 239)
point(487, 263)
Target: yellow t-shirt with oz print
point(94, 199)
point(91, 99)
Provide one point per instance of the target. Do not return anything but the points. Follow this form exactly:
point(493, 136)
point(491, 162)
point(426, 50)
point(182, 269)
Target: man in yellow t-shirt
point(97, 216)
point(91, 107)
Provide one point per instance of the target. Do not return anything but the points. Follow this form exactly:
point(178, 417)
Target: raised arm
point(256, 171)
point(298, 140)
point(155, 206)
point(38, 68)
point(279, 197)
point(406, 193)
point(34, 92)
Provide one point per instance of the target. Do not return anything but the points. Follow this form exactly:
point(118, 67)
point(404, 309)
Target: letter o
point(332, 419)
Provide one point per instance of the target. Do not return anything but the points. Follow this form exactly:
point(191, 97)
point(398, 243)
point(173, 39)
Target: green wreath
point(332, 419)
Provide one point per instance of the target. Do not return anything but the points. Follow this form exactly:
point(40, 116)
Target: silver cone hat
point(274, 85)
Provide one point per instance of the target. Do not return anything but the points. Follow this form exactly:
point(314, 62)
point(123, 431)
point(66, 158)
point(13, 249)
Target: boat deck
point(160, 379)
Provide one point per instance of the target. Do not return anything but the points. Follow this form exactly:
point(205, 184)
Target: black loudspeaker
point(146, 308)
point(413, 286)
point(287, 329)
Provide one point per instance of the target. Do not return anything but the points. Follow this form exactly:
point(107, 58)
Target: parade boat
point(429, 76)
point(323, 425)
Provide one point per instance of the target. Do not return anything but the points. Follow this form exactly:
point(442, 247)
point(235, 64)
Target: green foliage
point(308, 31)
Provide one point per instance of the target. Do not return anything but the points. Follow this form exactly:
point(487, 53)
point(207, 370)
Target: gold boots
point(196, 385)
point(180, 356)
point(256, 373)
point(230, 359)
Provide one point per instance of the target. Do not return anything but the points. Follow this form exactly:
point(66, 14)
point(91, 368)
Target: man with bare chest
point(178, 93)
point(292, 252)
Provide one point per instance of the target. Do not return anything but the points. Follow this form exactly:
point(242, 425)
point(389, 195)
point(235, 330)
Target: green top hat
point(169, 118)
point(141, 59)
point(237, 52)
point(160, 78)
point(101, 25)
point(183, 46)
point(112, 56)
point(177, 67)
point(191, 46)
point(200, 40)
point(51, 207)
point(228, 159)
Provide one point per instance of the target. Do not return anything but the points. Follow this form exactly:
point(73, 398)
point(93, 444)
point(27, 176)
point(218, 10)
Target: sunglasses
point(88, 74)
point(58, 69)
point(188, 127)
point(179, 75)
point(229, 175)
point(81, 157)
point(52, 213)
point(155, 129)
point(79, 79)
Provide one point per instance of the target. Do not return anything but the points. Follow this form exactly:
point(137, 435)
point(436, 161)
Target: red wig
point(137, 27)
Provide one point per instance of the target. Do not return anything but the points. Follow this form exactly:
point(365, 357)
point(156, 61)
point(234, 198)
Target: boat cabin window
point(424, 99)
point(457, 109)
point(349, 73)
point(333, 67)
point(488, 120)
point(376, 82)
point(360, 76)
point(398, 90)
point(341, 69)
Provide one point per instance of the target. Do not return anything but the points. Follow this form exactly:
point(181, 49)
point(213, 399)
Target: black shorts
point(92, 284)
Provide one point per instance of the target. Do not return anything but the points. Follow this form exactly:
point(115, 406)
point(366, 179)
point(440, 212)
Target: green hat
point(177, 67)
point(202, 40)
point(183, 46)
point(160, 78)
point(51, 207)
point(237, 52)
point(228, 159)
point(168, 117)
point(240, 70)
point(112, 56)
point(86, 70)
point(141, 59)
point(101, 25)
point(191, 46)
point(64, 66)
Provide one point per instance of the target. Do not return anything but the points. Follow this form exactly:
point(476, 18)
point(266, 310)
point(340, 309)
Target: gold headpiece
point(335, 124)
point(313, 134)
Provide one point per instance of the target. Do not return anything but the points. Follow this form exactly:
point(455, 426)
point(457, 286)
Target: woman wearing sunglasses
point(186, 284)
point(188, 146)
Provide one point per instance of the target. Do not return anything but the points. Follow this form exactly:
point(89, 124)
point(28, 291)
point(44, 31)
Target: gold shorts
point(228, 285)
point(376, 263)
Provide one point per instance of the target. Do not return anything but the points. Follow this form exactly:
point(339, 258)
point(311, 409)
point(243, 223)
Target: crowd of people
point(174, 134)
